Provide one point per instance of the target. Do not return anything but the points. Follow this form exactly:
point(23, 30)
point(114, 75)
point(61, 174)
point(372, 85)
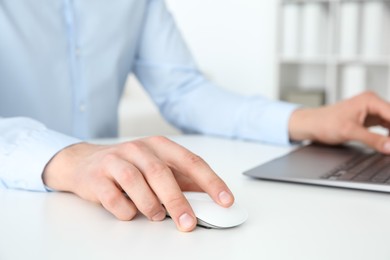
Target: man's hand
point(345, 121)
point(137, 176)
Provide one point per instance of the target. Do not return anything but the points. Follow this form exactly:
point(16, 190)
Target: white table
point(286, 221)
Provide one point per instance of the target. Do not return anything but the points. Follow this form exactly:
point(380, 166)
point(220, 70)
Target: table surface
point(286, 221)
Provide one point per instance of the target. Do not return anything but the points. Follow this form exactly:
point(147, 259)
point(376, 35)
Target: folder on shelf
point(373, 29)
point(353, 80)
point(341, 46)
point(291, 33)
point(308, 98)
point(314, 29)
point(349, 29)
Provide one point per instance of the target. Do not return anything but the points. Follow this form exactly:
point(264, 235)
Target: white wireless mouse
point(211, 215)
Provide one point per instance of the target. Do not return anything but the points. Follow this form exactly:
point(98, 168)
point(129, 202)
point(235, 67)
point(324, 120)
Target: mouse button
point(216, 216)
point(233, 216)
point(201, 196)
point(202, 206)
point(204, 224)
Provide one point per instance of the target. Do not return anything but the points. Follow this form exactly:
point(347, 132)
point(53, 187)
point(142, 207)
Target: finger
point(384, 124)
point(192, 166)
point(185, 183)
point(162, 181)
point(133, 183)
point(114, 201)
point(378, 106)
point(376, 141)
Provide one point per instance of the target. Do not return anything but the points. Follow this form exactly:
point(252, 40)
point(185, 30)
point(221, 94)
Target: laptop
point(347, 166)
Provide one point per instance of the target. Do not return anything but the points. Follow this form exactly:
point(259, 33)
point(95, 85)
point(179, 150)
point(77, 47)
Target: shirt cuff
point(26, 162)
point(268, 121)
point(278, 116)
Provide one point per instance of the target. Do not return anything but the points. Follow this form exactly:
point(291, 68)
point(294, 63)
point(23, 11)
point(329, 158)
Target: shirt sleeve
point(26, 146)
point(188, 100)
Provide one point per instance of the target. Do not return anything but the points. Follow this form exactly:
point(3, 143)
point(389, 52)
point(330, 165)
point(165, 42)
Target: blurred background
point(233, 42)
point(311, 52)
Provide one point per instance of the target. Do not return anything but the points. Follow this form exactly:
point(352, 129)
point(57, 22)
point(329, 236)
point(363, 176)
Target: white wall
point(233, 42)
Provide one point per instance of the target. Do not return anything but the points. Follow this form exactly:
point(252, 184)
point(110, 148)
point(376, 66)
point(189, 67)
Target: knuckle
point(157, 169)
point(129, 215)
point(134, 146)
point(194, 159)
point(109, 159)
point(367, 95)
point(159, 139)
point(150, 209)
point(127, 176)
point(216, 183)
point(110, 199)
point(175, 203)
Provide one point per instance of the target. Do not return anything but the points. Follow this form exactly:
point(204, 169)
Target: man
point(62, 70)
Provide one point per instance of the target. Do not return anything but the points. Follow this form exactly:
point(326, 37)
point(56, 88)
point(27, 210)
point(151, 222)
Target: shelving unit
point(332, 49)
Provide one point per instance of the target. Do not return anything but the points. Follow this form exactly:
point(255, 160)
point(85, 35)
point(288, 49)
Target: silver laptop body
point(338, 166)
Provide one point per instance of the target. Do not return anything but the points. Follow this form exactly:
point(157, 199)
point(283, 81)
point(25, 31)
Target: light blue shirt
point(63, 66)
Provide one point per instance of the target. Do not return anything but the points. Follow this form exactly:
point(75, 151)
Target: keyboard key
point(382, 176)
point(362, 165)
point(372, 170)
point(347, 176)
point(373, 167)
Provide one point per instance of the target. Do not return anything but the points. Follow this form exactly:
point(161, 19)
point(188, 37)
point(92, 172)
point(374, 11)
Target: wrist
point(59, 171)
point(301, 125)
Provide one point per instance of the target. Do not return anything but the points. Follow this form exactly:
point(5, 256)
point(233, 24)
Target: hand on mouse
point(148, 170)
point(344, 121)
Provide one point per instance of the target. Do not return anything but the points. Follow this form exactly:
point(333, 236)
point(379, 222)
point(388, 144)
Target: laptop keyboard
point(372, 168)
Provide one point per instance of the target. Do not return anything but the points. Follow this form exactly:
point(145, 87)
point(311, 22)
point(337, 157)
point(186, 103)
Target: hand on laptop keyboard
point(345, 121)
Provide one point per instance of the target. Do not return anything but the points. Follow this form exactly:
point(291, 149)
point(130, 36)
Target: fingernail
point(159, 216)
point(186, 221)
point(225, 198)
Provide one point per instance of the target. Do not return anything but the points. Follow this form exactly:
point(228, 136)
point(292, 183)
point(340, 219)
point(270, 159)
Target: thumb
point(378, 142)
